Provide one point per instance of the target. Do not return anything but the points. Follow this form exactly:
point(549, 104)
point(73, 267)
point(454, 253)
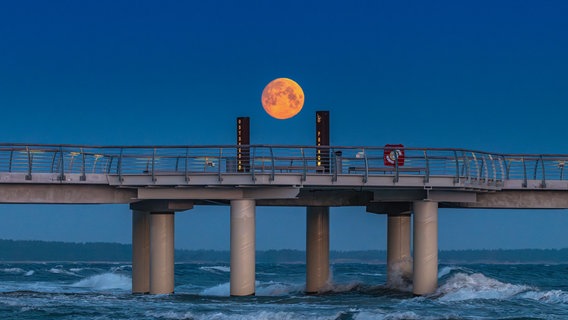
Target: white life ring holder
point(391, 156)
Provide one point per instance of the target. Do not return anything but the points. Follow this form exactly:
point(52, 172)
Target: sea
point(356, 291)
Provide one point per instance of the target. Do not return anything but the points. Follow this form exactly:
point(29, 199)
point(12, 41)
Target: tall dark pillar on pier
point(322, 140)
point(243, 139)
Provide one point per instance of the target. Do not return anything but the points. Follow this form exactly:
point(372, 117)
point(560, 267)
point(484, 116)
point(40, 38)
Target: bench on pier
point(386, 170)
point(292, 168)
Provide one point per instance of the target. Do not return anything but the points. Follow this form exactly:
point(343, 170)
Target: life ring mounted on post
point(392, 153)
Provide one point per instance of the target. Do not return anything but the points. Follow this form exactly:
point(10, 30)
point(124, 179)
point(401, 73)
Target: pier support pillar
point(317, 249)
point(243, 229)
point(399, 259)
point(140, 252)
point(161, 252)
point(425, 247)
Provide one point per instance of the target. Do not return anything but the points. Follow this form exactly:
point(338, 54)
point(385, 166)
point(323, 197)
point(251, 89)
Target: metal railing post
point(153, 164)
point(334, 166)
point(62, 165)
point(252, 161)
point(119, 166)
point(395, 179)
point(366, 177)
point(525, 178)
point(11, 159)
point(305, 165)
point(535, 168)
point(271, 164)
point(30, 160)
point(53, 168)
point(501, 158)
point(543, 183)
point(457, 178)
point(219, 177)
point(478, 174)
point(83, 169)
point(508, 165)
point(485, 168)
point(186, 164)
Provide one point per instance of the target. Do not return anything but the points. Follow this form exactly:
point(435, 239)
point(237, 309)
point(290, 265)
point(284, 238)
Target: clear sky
point(484, 75)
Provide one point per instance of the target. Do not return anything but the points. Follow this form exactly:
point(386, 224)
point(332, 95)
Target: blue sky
point(480, 75)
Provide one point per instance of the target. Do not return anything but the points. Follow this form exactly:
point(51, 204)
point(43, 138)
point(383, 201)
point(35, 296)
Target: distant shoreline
point(32, 251)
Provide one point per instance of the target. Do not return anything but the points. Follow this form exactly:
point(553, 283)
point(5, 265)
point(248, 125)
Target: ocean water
point(102, 291)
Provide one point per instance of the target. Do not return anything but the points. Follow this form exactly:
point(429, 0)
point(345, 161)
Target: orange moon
point(282, 98)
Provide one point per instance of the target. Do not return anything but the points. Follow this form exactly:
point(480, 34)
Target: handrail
point(470, 166)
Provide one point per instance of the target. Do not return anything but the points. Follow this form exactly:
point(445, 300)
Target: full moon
point(282, 98)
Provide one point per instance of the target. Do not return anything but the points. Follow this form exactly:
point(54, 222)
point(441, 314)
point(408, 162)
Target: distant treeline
point(11, 250)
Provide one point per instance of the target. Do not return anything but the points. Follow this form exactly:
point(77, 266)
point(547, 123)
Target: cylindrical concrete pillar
point(317, 249)
point(161, 252)
point(243, 229)
point(425, 247)
point(140, 252)
point(399, 260)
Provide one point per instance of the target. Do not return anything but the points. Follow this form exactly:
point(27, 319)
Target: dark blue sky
point(481, 75)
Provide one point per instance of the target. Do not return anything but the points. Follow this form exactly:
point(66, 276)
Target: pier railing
point(334, 161)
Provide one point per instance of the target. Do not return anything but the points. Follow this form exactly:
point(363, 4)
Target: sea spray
point(105, 281)
point(462, 286)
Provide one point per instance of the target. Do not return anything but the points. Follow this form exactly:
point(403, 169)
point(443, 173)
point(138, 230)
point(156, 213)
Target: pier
point(158, 181)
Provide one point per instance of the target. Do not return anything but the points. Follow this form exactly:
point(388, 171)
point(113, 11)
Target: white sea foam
point(222, 290)
point(263, 289)
point(277, 289)
point(12, 270)
point(371, 274)
point(60, 270)
point(269, 315)
point(553, 296)
point(216, 269)
point(342, 287)
point(461, 287)
point(171, 315)
point(261, 315)
point(29, 273)
point(105, 281)
point(445, 271)
point(126, 267)
point(381, 315)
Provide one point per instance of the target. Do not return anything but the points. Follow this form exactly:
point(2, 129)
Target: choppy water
point(102, 291)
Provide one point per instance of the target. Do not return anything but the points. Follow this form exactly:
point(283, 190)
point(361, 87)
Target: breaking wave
point(105, 281)
point(216, 269)
point(476, 286)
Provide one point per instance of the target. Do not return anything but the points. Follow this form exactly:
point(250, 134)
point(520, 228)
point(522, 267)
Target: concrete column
point(399, 259)
point(317, 249)
point(140, 252)
point(425, 247)
point(243, 229)
point(161, 252)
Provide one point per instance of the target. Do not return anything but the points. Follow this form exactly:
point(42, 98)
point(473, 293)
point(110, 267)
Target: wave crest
point(463, 286)
point(216, 269)
point(105, 281)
